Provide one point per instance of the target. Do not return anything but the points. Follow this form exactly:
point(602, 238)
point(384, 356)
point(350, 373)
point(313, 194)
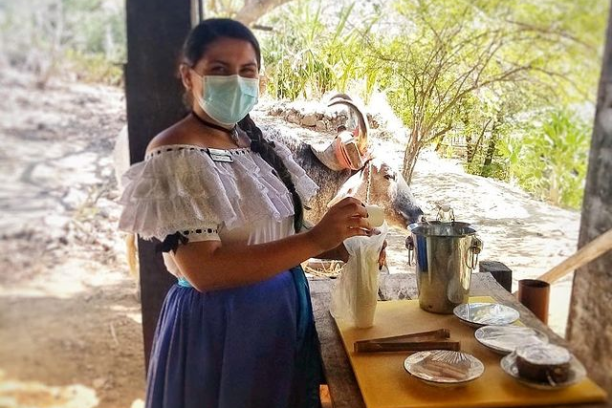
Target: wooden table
point(339, 374)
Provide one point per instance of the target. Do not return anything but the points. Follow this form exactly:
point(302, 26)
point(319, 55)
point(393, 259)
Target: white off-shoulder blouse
point(232, 196)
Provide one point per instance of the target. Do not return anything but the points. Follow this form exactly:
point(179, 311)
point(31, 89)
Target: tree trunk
point(48, 64)
point(590, 324)
point(490, 151)
point(469, 148)
point(439, 143)
point(473, 148)
point(253, 10)
point(411, 154)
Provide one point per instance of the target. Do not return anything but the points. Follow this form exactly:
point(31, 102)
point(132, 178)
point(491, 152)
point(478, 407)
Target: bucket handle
point(410, 247)
point(473, 251)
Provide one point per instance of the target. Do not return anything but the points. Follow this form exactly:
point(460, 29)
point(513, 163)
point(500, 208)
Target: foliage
point(245, 11)
point(467, 76)
point(95, 68)
point(49, 36)
point(457, 50)
point(314, 50)
point(551, 160)
point(470, 69)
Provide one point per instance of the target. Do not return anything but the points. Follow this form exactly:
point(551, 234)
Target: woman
point(237, 329)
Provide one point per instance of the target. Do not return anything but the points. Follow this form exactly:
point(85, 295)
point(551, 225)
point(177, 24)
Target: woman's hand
point(382, 257)
point(347, 218)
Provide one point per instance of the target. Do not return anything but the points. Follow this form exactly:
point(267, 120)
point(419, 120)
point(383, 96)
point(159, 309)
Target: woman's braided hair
point(200, 37)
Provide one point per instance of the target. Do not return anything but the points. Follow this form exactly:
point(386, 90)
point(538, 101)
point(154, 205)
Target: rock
point(293, 117)
point(75, 197)
point(67, 345)
point(320, 125)
point(374, 120)
point(99, 382)
point(309, 119)
point(108, 385)
point(58, 222)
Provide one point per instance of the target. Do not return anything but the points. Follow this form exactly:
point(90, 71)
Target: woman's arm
point(339, 253)
point(211, 265)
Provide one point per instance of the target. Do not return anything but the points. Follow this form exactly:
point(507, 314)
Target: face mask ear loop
point(198, 95)
point(200, 78)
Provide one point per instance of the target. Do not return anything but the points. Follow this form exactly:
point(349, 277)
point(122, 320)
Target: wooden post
point(156, 30)
point(590, 322)
point(501, 273)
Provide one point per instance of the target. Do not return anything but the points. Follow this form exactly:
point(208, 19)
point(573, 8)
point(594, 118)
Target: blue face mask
point(228, 99)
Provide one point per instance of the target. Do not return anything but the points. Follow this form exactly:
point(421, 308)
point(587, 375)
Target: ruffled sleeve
point(180, 188)
point(171, 192)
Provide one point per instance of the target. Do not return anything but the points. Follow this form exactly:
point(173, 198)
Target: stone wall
point(590, 324)
point(319, 117)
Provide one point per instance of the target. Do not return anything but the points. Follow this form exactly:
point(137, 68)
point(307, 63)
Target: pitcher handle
point(473, 251)
point(410, 247)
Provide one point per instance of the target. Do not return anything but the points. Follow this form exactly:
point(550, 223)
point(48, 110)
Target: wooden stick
point(431, 335)
point(370, 347)
point(584, 255)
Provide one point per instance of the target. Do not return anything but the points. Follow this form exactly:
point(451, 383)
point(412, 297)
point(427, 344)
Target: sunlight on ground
point(137, 404)
point(19, 394)
point(57, 286)
point(79, 169)
point(558, 308)
point(66, 281)
point(131, 312)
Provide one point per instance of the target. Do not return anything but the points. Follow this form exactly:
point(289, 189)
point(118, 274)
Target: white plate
point(505, 339)
point(486, 314)
point(444, 368)
point(577, 373)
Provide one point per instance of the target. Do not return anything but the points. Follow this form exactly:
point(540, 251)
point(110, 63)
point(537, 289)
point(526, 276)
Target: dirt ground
point(70, 326)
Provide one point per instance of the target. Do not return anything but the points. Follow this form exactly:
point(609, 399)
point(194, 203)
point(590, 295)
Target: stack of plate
point(486, 314)
point(506, 339)
point(496, 332)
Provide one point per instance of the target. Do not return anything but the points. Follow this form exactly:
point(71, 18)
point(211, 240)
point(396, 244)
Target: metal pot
point(445, 254)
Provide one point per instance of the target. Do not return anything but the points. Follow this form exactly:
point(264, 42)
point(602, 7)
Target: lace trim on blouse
point(180, 188)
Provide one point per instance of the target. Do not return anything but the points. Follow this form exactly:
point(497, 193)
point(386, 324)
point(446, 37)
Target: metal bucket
point(445, 254)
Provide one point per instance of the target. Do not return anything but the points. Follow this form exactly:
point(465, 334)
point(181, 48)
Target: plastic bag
point(355, 293)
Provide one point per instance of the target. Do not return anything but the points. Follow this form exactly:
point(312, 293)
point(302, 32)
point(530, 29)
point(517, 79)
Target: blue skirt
point(251, 346)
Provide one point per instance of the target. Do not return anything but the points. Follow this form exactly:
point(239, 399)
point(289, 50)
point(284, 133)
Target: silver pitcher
point(445, 255)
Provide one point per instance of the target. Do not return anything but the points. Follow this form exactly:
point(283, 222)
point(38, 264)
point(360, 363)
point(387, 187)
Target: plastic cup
point(376, 215)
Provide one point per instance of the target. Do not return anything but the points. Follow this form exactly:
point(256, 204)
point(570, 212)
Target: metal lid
point(442, 229)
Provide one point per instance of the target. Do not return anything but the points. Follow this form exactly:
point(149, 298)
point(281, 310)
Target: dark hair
point(211, 30)
point(200, 37)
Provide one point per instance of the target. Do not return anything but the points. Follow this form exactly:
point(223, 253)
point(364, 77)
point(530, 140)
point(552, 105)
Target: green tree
point(46, 37)
point(314, 49)
point(550, 159)
point(453, 49)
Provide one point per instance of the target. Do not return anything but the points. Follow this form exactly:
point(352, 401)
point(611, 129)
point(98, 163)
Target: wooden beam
point(590, 322)
point(588, 253)
point(156, 30)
